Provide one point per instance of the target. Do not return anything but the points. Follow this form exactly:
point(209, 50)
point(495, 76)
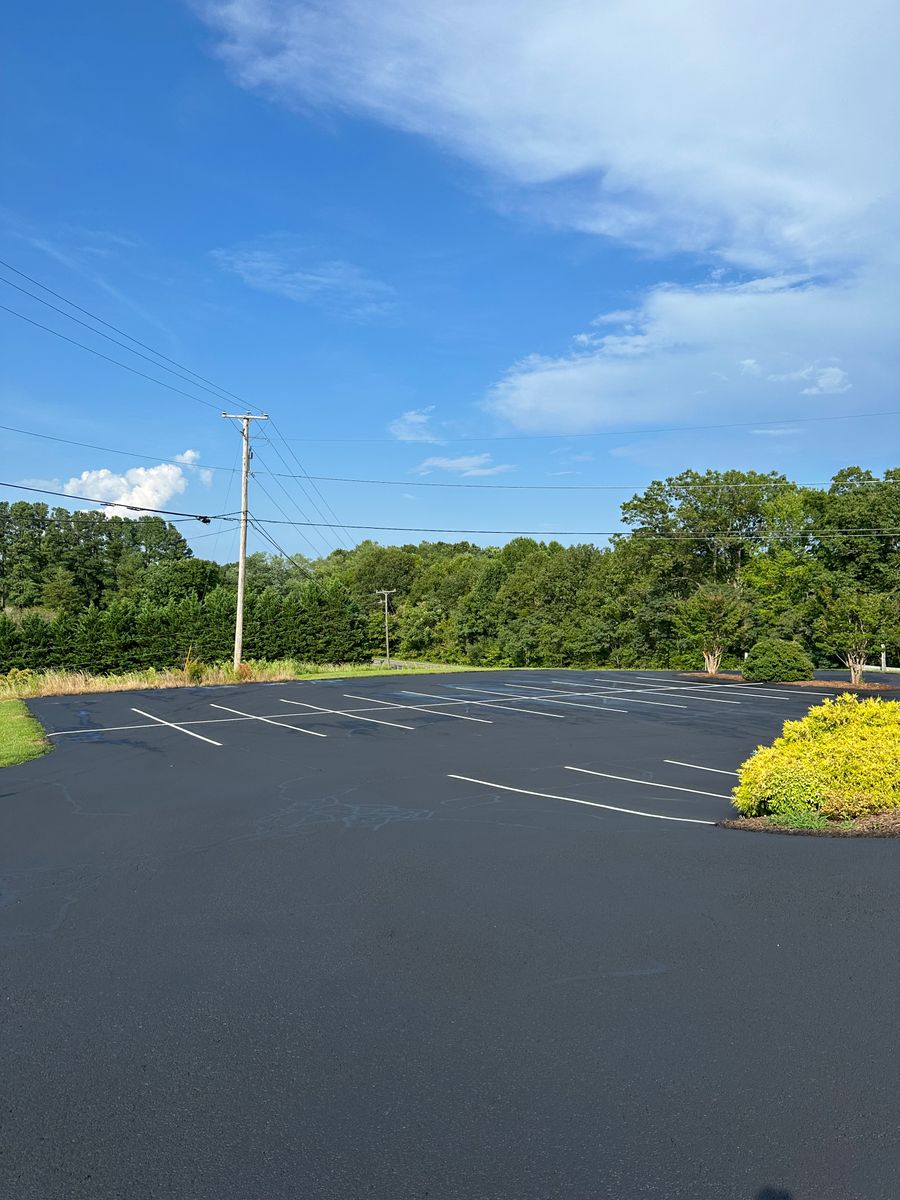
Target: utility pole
point(245, 419)
point(384, 593)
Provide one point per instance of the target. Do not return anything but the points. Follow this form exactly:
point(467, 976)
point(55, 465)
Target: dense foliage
point(711, 563)
point(841, 761)
point(773, 660)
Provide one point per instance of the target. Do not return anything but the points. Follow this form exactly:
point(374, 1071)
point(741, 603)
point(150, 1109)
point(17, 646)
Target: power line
point(633, 533)
point(213, 391)
point(434, 483)
point(272, 499)
point(141, 508)
point(156, 458)
point(325, 523)
point(87, 312)
point(306, 474)
point(585, 487)
point(547, 437)
point(738, 535)
point(284, 554)
point(115, 361)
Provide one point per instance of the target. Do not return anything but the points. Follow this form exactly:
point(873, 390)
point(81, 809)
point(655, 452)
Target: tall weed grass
point(20, 684)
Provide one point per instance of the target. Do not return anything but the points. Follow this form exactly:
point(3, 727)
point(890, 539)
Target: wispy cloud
point(465, 465)
point(414, 426)
point(669, 127)
point(684, 354)
point(285, 267)
point(823, 381)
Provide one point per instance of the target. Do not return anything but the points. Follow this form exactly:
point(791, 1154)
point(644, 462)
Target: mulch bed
point(835, 685)
point(883, 825)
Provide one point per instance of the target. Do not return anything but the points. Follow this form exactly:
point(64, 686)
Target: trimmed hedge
point(842, 760)
point(775, 661)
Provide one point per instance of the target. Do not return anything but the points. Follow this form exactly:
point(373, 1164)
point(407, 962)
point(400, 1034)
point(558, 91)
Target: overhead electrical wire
point(284, 554)
point(547, 437)
point(715, 535)
point(140, 508)
point(87, 312)
point(440, 483)
point(272, 500)
point(213, 391)
point(222, 394)
point(115, 361)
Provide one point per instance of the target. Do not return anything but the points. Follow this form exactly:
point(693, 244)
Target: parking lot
point(469, 936)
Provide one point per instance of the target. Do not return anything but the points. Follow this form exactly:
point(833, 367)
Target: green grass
point(21, 737)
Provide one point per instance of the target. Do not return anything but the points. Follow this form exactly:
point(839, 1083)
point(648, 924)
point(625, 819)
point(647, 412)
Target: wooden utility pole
point(245, 419)
point(384, 593)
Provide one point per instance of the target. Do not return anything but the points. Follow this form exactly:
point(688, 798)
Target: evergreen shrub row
point(317, 623)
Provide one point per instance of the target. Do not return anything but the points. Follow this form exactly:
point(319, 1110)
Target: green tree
point(852, 626)
point(714, 619)
point(59, 592)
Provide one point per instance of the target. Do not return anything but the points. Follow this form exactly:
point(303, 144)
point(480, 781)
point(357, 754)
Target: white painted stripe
point(738, 685)
point(632, 692)
point(553, 691)
point(425, 708)
point(696, 766)
point(551, 699)
point(632, 812)
point(269, 721)
point(491, 704)
point(335, 712)
point(669, 787)
point(199, 736)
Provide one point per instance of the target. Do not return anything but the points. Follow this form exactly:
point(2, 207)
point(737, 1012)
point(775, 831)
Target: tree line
point(710, 563)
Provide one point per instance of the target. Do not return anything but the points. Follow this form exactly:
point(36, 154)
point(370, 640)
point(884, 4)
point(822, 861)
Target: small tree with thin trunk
point(714, 620)
point(853, 626)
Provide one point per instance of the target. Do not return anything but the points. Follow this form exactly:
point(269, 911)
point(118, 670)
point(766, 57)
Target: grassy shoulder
point(835, 772)
point(18, 684)
point(21, 737)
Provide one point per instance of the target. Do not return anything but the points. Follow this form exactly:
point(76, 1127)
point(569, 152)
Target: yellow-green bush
point(841, 760)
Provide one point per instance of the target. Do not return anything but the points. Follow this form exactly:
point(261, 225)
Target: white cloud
point(190, 458)
point(466, 464)
point(283, 266)
point(676, 363)
point(760, 137)
point(414, 426)
point(830, 381)
point(760, 131)
point(142, 487)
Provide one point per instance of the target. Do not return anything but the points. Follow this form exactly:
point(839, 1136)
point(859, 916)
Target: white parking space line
point(631, 693)
point(670, 787)
point(268, 721)
point(551, 699)
point(696, 767)
point(336, 712)
point(170, 724)
point(632, 812)
point(631, 699)
point(491, 704)
point(425, 708)
point(739, 686)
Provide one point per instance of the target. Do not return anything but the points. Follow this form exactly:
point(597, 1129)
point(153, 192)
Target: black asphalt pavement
point(457, 948)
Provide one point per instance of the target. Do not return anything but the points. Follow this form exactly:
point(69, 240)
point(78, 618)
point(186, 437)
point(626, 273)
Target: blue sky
point(450, 243)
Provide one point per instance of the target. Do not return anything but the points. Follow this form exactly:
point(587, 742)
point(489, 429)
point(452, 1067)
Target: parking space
point(467, 935)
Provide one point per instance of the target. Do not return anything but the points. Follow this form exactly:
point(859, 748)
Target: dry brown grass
point(25, 684)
